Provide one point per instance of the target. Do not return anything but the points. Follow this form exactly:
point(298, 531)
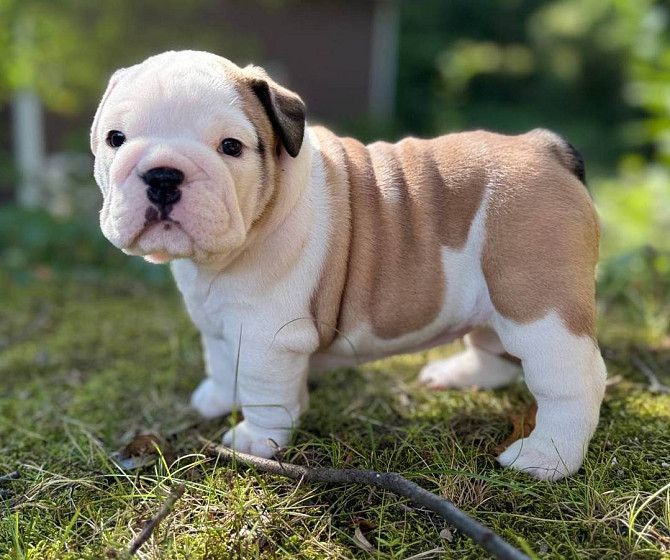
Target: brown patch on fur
point(265, 101)
point(327, 299)
point(445, 181)
point(274, 169)
point(408, 283)
point(542, 234)
point(406, 200)
point(278, 115)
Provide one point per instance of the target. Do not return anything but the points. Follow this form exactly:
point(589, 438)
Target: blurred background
point(596, 71)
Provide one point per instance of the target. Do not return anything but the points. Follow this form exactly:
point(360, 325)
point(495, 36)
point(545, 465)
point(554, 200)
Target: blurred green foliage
point(35, 246)
point(634, 207)
point(67, 49)
point(594, 70)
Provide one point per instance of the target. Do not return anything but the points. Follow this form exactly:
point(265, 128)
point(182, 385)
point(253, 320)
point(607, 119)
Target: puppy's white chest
point(213, 308)
point(240, 306)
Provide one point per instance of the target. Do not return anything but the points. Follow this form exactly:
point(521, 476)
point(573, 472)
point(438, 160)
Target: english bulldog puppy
point(298, 250)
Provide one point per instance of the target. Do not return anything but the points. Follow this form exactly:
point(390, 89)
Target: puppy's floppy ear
point(110, 87)
point(284, 108)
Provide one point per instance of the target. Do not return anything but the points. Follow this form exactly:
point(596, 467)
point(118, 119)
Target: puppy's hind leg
point(566, 375)
point(484, 364)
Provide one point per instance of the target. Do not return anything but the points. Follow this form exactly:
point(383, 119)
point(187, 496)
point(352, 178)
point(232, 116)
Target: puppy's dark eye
point(230, 147)
point(115, 138)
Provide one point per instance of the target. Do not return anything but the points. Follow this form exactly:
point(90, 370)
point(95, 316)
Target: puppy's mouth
point(152, 217)
point(161, 239)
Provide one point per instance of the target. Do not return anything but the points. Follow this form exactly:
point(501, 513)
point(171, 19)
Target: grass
point(96, 348)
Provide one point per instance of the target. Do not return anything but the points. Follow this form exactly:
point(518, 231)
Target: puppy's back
point(394, 206)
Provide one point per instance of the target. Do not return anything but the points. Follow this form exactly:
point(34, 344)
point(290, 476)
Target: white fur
point(566, 375)
point(251, 300)
point(266, 322)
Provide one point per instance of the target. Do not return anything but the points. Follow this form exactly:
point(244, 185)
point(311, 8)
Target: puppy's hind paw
point(542, 459)
point(470, 368)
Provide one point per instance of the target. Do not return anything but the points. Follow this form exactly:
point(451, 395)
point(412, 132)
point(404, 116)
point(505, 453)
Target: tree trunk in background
point(28, 140)
point(384, 63)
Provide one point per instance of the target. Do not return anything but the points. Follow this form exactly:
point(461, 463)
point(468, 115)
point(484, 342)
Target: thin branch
point(392, 482)
point(655, 386)
point(151, 525)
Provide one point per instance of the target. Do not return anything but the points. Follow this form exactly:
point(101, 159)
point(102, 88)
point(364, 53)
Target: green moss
point(86, 362)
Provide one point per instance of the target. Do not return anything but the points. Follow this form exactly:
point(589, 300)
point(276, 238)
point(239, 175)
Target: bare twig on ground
point(655, 386)
point(392, 482)
point(151, 525)
point(9, 477)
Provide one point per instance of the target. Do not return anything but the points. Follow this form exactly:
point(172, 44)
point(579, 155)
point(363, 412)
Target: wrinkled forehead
point(180, 93)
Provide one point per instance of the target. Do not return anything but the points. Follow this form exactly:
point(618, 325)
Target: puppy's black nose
point(163, 188)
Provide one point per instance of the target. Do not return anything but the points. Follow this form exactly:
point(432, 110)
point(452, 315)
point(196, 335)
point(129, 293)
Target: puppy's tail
point(566, 153)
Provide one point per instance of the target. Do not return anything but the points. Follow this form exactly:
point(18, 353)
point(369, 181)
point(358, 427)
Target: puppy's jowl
point(321, 251)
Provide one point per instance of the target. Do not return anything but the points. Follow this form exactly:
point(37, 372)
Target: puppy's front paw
point(262, 442)
point(210, 400)
point(543, 459)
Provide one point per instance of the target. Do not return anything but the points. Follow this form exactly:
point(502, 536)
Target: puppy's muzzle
point(163, 188)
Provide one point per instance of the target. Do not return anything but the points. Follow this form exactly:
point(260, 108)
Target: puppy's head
point(187, 146)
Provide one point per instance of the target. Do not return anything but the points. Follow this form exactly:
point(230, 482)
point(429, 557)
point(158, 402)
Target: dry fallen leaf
point(362, 526)
point(142, 445)
point(143, 451)
point(361, 541)
point(523, 424)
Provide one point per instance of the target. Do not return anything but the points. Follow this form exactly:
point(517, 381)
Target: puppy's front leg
point(272, 387)
point(215, 396)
